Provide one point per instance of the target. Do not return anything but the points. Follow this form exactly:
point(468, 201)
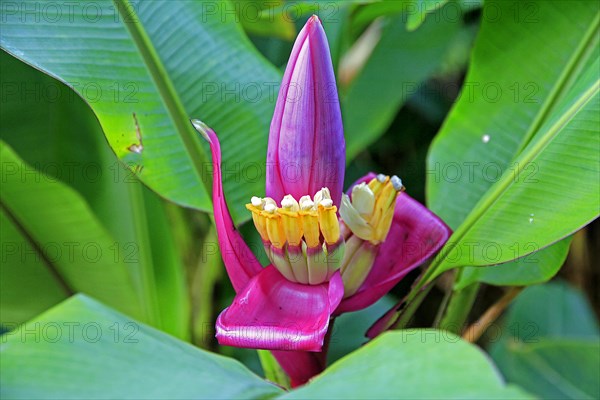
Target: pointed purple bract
point(240, 262)
point(306, 142)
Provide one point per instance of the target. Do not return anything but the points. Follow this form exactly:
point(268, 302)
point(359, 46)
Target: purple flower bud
point(306, 142)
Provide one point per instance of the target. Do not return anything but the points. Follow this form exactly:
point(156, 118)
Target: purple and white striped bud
point(306, 142)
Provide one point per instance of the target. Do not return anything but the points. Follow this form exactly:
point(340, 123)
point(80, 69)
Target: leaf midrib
point(552, 375)
point(496, 191)
point(66, 288)
point(562, 85)
point(166, 88)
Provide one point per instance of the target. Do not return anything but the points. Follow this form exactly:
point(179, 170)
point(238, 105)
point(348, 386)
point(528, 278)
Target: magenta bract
point(240, 262)
point(273, 313)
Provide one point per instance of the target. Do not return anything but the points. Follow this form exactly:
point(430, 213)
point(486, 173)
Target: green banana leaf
point(507, 170)
point(145, 68)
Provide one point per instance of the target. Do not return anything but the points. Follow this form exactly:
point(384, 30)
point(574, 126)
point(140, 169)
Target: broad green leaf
point(161, 268)
point(552, 310)
point(349, 330)
point(554, 368)
point(454, 64)
point(373, 10)
point(260, 17)
point(27, 285)
point(83, 349)
point(38, 109)
point(521, 214)
point(411, 364)
point(414, 11)
point(68, 239)
point(296, 10)
point(537, 267)
point(145, 68)
point(549, 343)
point(334, 15)
point(506, 104)
point(419, 9)
point(54, 131)
point(400, 62)
point(510, 150)
point(337, 24)
point(207, 273)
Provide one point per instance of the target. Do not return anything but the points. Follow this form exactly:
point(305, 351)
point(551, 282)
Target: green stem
point(459, 307)
point(272, 369)
point(443, 306)
point(208, 272)
point(410, 303)
point(276, 374)
point(413, 302)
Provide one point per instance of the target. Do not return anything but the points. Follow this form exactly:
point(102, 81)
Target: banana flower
point(330, 252)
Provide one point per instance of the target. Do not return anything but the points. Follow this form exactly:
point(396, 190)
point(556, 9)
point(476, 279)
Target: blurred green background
point(399, 74)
